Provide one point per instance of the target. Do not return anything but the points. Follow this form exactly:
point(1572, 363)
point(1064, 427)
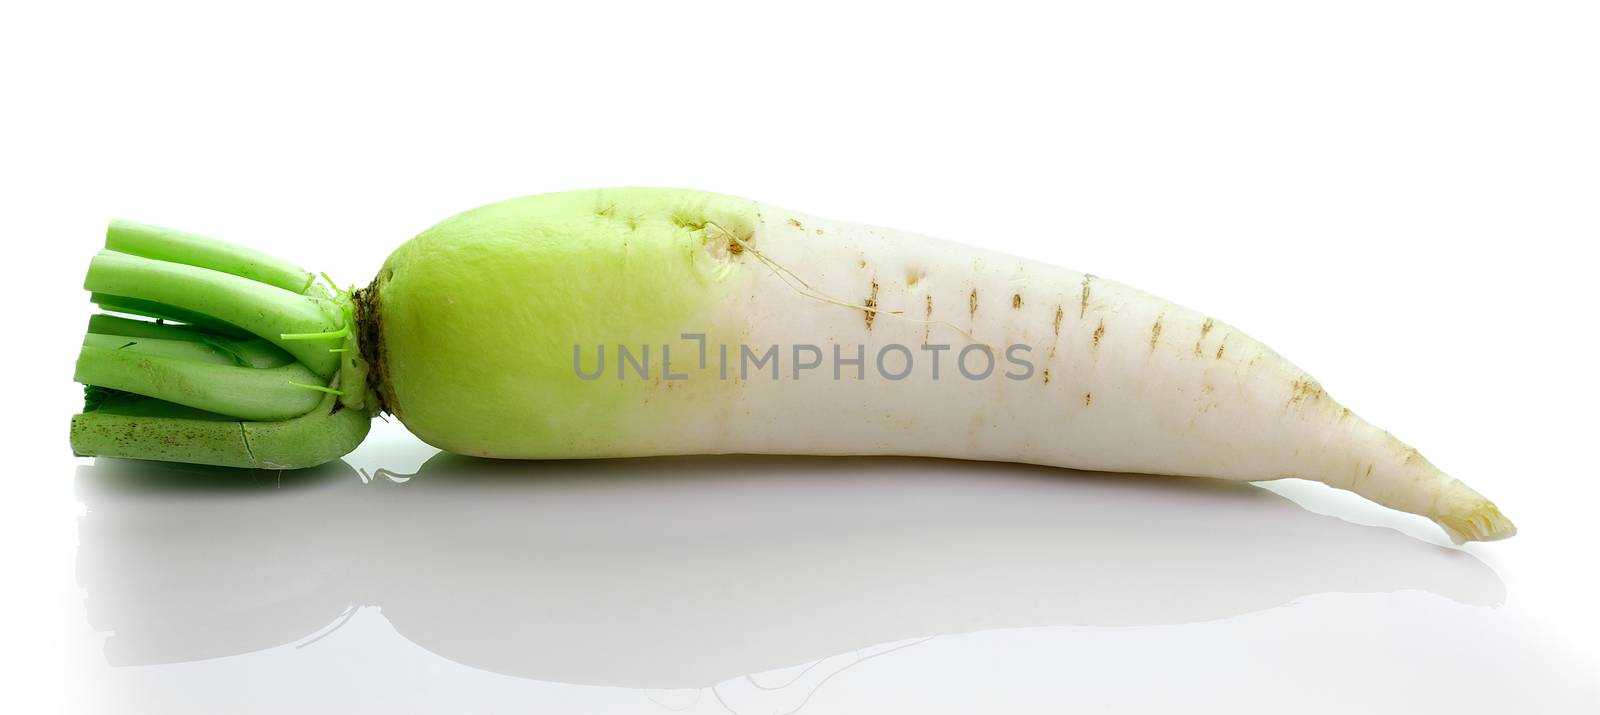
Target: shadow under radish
point(690, 571)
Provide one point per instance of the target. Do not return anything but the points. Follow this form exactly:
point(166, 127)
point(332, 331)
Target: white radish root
point(1123, 381)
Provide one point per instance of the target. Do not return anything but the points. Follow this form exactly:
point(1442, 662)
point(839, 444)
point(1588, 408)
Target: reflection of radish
point(647, 321)
point(685, 572)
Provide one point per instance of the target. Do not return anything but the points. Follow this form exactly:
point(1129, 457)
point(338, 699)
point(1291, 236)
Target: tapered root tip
point(1478, 522)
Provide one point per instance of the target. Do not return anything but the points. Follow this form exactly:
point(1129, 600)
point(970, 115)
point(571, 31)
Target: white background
point(1399, 196)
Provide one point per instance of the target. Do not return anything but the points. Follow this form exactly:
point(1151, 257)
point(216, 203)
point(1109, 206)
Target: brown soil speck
point(1220, 349)
point(1204, 329)
point(796, 223)
point(972, 303)
point(1016, 301)
point(1083, 303)
point(1088, 397)
point(872, 305)
point(688, 222)
point(1155, 334)
point(1099, 332)
point(1059, 315)
point(1047, 376)
point(1304, 390)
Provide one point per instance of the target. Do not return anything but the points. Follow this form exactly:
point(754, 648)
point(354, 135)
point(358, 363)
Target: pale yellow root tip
point(1480, 521)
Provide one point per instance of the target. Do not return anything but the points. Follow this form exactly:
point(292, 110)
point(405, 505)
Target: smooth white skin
point(1180, 399)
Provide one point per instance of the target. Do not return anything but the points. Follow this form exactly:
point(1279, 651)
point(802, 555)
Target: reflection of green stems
point(250, 378)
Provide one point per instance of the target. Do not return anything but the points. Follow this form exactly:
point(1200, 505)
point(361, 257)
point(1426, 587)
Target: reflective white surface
point(767, 585)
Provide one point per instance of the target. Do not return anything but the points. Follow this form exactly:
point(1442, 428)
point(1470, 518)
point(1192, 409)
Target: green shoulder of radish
point(637, 322)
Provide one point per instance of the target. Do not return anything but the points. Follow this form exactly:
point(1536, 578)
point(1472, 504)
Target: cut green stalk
point(103, 401)
point(194, 350)
point(165, 244)
point(102, 324)
point(242, 392)
point(263, 310)
point(249, 352)
point(150, 309)
point(155, 432)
